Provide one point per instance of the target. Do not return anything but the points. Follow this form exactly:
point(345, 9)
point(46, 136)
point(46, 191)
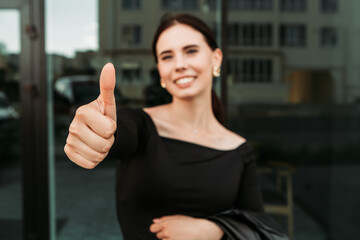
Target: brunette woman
point(178, 167)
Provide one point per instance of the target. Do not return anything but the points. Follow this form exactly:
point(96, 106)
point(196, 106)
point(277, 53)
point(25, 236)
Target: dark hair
point(171, 19)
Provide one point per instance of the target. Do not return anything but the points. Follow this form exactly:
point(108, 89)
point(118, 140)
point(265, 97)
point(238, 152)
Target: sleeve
point(247, 220)
point(128, 132)
point(249, 194)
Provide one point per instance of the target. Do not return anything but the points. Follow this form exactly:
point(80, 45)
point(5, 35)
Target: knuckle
point(113, 125)
point(70, 153)
point(80, 112)
point(166, 233)
point(67, 150)
point(108, 145)
point(89, 165)
point(83, 112)
point(112, 140)
point(110, 129)
point(73, 128)
point(98, 157)
point(69, 141)
point(107, 133)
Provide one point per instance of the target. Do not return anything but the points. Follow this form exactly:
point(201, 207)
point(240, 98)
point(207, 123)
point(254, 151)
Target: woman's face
point(185, 61)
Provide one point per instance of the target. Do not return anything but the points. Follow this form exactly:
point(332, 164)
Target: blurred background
point(290, 85)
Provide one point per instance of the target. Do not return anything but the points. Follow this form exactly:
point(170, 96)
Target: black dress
point(158, 176)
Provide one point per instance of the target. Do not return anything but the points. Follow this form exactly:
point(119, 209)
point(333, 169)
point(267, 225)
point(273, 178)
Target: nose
point(180, 63)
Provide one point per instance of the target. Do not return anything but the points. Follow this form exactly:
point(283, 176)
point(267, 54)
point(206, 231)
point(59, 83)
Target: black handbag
point(247, 225)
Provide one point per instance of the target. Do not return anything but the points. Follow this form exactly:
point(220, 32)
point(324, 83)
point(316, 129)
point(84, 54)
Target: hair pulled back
point(171, 19)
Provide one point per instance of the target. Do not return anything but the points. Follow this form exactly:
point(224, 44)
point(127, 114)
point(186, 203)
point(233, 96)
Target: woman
point(179, 167)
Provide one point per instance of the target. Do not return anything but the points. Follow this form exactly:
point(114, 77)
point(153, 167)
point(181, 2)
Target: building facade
point(280, 51)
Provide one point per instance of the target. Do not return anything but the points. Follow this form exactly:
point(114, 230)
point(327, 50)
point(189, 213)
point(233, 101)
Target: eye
point(166, 57)
point(191, 51)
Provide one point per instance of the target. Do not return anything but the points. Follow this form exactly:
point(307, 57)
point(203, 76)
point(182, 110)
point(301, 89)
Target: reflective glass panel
point(10, 114)
point(82, 36)
point(296, 100)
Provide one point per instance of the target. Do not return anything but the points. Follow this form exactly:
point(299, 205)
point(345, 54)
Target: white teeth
point(184, 80)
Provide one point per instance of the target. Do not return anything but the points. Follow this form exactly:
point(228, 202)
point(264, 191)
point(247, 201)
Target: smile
point(184, 80)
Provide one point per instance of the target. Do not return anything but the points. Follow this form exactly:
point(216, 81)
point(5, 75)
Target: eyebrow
point(184, 48)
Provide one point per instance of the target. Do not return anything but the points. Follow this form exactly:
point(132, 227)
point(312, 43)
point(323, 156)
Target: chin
point(188, 95)
point(185, 96)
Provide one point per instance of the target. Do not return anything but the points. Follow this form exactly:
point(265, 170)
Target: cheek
point(203, 66)
point(203, 69)
point(163, 71)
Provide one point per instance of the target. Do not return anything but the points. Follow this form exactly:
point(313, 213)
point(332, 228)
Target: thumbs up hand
point(91, 133)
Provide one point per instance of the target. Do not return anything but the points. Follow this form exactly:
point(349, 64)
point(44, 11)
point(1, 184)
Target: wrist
point(211, 228)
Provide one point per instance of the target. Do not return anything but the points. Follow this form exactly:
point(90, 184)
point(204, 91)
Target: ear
point(217, 57)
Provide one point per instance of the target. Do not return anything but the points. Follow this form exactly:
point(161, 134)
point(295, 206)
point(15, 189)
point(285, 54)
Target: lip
point(184, 85)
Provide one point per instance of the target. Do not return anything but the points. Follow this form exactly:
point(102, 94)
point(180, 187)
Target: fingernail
point(155, 220)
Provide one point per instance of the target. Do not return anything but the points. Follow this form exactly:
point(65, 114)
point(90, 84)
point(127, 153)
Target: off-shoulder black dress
point(158, 176)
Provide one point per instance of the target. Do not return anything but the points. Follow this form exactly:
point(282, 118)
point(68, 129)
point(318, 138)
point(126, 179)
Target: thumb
point(106, 99)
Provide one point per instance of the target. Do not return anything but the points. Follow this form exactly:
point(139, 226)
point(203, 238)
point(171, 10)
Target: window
point(250, 5)
point(211, 4)
point(130, 75)
point(328, 37)
point(130, 71)
point(292, 35)
point(251, 70)
point(293, 5)
point(250, 34)
point(180, 4)
point(244, 5)
point(131, 4)
point(329, 6)
point(131, 35)
point(233, 33)
point(265, 35)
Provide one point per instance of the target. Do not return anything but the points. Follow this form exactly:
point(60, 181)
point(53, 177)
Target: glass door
point(78, 45)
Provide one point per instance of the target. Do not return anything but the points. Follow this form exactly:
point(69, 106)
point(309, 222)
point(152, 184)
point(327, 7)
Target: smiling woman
point(179, 168)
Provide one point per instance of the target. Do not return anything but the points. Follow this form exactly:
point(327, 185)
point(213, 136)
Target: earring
point(216, 71)
point(162, 83)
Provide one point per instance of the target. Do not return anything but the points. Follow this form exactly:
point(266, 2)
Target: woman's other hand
point(180, 227)
point(91, 133)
